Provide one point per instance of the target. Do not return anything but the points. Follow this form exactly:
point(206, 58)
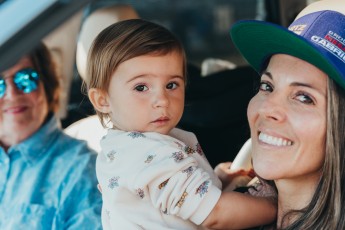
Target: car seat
point(62, 45)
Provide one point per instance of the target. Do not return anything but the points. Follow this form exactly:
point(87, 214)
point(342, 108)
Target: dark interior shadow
point(216, 111)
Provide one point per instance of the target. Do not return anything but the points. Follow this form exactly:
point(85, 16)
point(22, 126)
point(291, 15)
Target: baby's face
point(146, 93)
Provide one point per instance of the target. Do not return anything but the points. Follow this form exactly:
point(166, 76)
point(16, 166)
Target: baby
point(153, 175)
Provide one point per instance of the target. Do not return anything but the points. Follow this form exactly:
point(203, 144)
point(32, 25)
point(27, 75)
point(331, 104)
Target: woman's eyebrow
point(268, 74)
point(301, 84)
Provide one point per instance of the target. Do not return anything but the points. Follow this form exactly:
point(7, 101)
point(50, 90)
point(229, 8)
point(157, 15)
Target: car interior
point(220, 83)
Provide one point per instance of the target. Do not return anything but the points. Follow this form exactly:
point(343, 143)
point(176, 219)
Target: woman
point(297, 117)
point(47, 178)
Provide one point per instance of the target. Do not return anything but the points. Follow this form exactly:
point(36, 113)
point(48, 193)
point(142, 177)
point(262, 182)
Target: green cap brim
point(257, 41)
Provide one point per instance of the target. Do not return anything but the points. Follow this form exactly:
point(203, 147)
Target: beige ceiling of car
point(90, 128)
point(94, 24)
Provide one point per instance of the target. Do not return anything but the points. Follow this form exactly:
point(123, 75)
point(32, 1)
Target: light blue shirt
point(49, 182)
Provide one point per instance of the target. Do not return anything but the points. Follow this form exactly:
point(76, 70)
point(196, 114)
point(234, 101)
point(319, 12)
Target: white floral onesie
point(155, 181)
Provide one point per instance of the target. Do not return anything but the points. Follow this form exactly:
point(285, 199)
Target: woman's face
point(287, 119)
point(21, 114)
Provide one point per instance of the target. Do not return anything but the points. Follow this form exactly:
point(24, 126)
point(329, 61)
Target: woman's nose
point(11, 89)
point(273, 108)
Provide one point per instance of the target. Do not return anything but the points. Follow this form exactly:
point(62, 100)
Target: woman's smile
point(272, 140)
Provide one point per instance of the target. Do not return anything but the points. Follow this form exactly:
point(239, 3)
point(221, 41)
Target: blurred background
point(220, 83)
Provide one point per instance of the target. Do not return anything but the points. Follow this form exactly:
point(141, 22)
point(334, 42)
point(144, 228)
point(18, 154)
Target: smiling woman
point(22, 110)
point(292, 94)
point(297, 117)
point(47, 178)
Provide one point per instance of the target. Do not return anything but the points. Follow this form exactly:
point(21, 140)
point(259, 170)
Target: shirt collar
point(37, 144)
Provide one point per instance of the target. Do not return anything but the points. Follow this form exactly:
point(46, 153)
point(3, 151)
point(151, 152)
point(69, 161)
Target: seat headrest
point(62, 46)
point(94, 24)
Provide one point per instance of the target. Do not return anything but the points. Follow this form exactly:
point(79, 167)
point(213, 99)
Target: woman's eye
point(304, 98)
point(265, 86)
point(172, 85)
point(141, 88)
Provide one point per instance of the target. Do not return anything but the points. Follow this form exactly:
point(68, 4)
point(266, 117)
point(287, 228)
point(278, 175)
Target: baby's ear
point(99, 100)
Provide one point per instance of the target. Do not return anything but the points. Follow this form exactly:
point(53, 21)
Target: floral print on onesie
point(155, 181)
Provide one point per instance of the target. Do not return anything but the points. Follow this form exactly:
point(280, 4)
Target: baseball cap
point(316, 36)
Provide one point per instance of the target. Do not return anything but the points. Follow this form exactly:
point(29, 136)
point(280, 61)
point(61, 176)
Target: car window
point(23, 24)
point(202, 26)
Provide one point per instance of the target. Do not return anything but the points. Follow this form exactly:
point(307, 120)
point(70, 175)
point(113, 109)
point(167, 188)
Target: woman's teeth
point(274, 140)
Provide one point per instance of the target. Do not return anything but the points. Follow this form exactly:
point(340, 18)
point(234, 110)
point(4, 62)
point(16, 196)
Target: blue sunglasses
point(26, 80)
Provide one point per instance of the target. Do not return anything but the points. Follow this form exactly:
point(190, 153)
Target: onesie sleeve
point(189, 192)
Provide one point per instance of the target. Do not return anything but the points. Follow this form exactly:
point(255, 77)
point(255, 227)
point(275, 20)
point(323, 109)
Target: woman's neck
point(294, 194)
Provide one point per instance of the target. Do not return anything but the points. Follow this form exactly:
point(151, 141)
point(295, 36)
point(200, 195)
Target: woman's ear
point(99, 100)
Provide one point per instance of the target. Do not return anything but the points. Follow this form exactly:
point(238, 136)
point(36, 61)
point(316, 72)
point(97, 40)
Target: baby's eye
point(265, 86)
point(141, 88)
point(305, 98)
point(172, 85)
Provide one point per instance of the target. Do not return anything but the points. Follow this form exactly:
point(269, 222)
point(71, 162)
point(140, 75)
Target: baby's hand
point(226, 175)
point(240, 171)
point(259, 187)
point(222, 170)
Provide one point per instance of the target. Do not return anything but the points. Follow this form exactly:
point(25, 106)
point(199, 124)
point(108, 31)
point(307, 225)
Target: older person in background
point(47, 179)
